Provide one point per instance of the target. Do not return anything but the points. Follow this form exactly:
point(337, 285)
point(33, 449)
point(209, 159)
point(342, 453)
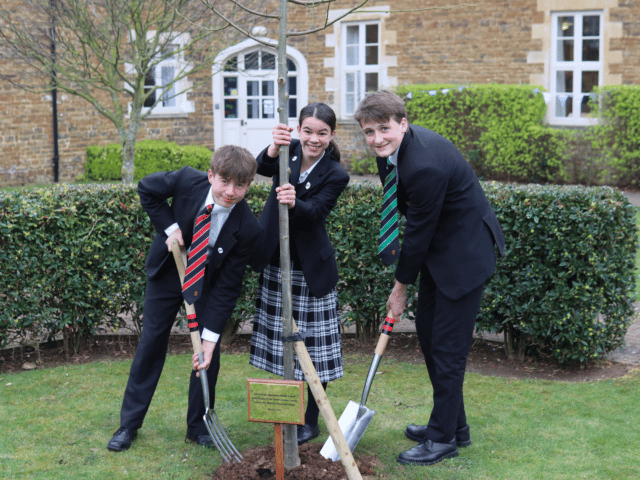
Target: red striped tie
point(194, 275)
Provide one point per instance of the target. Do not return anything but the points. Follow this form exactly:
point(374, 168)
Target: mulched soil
point(259, 464)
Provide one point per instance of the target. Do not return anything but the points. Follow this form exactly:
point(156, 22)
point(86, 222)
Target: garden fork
point(211, 421)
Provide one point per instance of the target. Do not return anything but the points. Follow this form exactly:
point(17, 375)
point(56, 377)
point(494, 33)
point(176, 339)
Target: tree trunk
point(291, 456)
point(128, 154)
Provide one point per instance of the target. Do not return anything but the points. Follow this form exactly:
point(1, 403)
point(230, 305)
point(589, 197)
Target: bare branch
point(327, 22)
point(235, 25)
point(253, 12)
point(310, 3)
point(450, 7)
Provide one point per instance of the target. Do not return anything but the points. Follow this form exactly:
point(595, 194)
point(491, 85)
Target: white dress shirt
point(219, 215)
point(305, 174)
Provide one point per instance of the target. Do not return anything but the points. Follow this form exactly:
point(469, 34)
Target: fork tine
point(225, 437)
point(218, 439)
point(224, 453)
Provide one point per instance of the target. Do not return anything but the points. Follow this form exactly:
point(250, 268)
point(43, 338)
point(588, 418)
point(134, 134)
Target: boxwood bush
point(105, 163)
point(73, 262)
point(616, 136)
point(498, 128)
point(566, 286)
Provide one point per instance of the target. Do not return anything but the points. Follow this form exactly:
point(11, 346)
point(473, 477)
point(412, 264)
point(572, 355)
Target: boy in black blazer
point(449, 240)
point(232, 235)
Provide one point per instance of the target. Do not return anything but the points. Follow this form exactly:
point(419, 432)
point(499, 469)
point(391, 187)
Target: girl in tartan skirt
point(316, 181)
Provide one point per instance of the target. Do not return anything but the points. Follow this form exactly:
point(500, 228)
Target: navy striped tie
point(197, 260)
point(388, 243)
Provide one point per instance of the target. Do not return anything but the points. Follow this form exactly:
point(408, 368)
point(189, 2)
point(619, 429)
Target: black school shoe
point(418, 432)
point(122, 439)
point(202, 440)
point(306, 432)
point(429, 452)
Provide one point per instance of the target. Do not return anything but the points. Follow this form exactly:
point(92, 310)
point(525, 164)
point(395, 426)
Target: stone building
point(564, 46)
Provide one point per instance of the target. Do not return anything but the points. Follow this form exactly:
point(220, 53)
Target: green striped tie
point(388, 243)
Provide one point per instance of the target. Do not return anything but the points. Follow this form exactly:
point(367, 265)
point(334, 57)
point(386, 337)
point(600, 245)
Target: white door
point(248, 106)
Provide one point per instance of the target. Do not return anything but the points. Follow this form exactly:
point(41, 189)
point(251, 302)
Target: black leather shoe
point(418, 432)
point(202, 440)
point(122, 439)
point(306, 432)
point(428, 453)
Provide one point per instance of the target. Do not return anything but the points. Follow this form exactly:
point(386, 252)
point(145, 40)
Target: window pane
point(290, 65)
point(350, 100)
point(590, 50)
point(268, 88)
point(371, 34)
point(351, 83)
point(268, 61)
point(591, 26)
point(371, 82)
point(589, 81)
point(149, 83)
point(565, 50)
point(231, 65)
point(585, 106)
point(352, 55)
point(268, 108)
point(565, 27)
point(230, 86)
point(253, 108)
point(371, 55)
point(352, 34)
point(168, 98)
point(292, 86)
point(293, 108)
point(564, 81)
point(564, 105)
point(251, 61)
point(230, 108)
point(253, 88)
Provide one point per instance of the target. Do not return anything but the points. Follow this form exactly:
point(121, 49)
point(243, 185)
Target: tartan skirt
point(318, 317)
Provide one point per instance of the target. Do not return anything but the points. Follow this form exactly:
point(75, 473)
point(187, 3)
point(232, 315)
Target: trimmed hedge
point(616, 137)
point(73, 259)
point(498, 128)
point(105, 163)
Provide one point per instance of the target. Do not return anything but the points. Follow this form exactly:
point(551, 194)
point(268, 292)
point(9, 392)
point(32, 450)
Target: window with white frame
point(161, 83)
point(576, 65)
point(251, 76)
point(361, 66)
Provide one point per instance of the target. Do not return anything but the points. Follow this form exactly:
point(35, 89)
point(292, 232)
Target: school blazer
point(315, 198)
point(451, 227)
point(227, 260)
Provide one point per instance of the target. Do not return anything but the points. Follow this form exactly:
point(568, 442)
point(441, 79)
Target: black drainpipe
point(54, 95)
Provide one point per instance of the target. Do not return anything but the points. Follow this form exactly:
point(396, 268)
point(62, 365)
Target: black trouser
point(162, 302)
point(445, 330)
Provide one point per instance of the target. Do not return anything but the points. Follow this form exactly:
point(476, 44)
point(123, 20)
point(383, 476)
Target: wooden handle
point(180, 256)
point(387, 328)
point(315, 385)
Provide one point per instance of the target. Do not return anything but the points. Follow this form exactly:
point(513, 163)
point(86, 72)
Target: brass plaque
point(275, 401)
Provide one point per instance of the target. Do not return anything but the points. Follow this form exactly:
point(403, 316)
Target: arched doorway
point(245, 93)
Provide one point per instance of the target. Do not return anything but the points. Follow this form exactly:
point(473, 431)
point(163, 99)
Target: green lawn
point(56, 424)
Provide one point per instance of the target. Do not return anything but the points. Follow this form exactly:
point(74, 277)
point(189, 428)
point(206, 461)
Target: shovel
point(356, 417)
point(211, 421)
